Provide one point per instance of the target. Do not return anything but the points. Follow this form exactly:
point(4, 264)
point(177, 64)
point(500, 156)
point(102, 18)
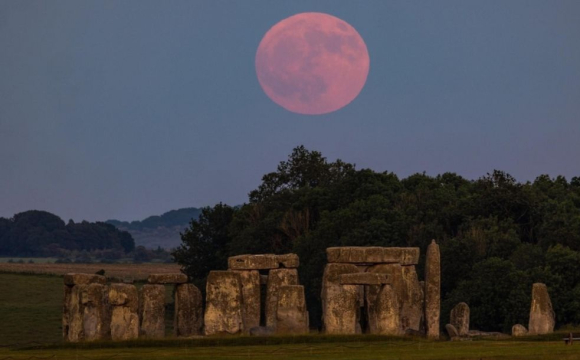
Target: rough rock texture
point(542, 317)
point(452, 331)
point(363, 279)
point(76, 331)
point(223, 312)
point(188, 310)
point(386, 320)
point(152, 311)
point(395, 274)
point(96, 312)
point(410, 300)
point(459, 318)
point(251, 298)
point(340, 303)
point(177, 278)
point(432, 290)
point(66, 304)
point(373, 255)
point(125, 318)
point(276, 279)
point(83, 279)
point(519, 330)
point(263, 262)
point(291, 315)
point(288, 261)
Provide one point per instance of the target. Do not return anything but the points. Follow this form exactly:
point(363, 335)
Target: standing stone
point(66, 311)
point(397, 286)
point(291, 316)
point(386, 319)
point(125, 318)
point(251, 298)
point(452, 331)
point(411, 299)
point(459, 318)
point(76, 330)
point(432, 290)
point(223, 312)
point(519, 330)
point(188, 310)
point(340, 303)
point(96, 312)
point(542, 317)
point(152, 311)
point(276, 279)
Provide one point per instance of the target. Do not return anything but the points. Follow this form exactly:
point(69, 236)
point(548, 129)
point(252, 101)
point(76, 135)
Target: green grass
point(46, 260)
point(30, 313)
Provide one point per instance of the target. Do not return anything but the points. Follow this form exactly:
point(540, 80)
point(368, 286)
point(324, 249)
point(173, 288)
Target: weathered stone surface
point(66, 304)
point(395, 275)
point(188, 310)
point(177, 278)
point(250, 298)
point(124, 299)
point(432, 290)
point(152, 311)
point(373, 255)
point(410, 299)
point(223, 312)
point(363, 279)
point(291, 315)
point(263, 262)
point(83, 279)
point(96, 312)
point(76, 331)
point(452, 331)
point(340, 303)
point(276, 279)
point(387, 318)
point(459, 318)
point(542, 317)
point(288, 261)
point(519, 330)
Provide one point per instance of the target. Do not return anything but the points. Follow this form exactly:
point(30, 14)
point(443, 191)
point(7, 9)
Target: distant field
point(119, 271)
point(26, 260)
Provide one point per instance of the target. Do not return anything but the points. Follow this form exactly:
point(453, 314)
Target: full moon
point(312, 63)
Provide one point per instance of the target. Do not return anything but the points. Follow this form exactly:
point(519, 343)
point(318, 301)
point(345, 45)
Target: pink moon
point(312, 63)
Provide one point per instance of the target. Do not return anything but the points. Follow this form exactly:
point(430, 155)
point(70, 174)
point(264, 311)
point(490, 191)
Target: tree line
point(497, 235)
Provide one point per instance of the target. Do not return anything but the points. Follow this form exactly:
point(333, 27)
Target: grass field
point(30, 315)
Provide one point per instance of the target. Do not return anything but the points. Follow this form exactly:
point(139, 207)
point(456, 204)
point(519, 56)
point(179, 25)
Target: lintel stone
point(83, 279)
point(364, 279)
point(176, 278)
point(373, 255)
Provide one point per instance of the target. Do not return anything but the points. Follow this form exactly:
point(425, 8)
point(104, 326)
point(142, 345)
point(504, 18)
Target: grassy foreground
point(30, 315)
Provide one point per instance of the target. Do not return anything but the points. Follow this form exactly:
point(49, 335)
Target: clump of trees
point(40, 233)
point(497, 235)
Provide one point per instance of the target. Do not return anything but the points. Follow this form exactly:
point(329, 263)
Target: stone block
point(519, 330)
point(291, 315)
point(223, 312)
point(340, 303)
point(96, 312)
point(251, 298)
point(542, 317)
point(387, 318)
point(124, 295)
point(83, 279)
point(76, 331)
point(395, 274)
point(432, 290)
point(176, 278)
point(288, 261)
point(363, 279)
point(124, 300)
point(459, 318)
point(152, 311)
point(276, 279)
point(373, 255)
point(253, 262)
point(188, 310)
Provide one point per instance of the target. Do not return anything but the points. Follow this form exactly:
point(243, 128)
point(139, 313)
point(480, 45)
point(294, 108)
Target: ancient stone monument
point(542, 317)
point(459, 318)
point(378, 283)
point(432, 290)
point(124, 299)
point(519, 330)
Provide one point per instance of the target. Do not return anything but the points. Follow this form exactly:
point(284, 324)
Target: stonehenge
point(432, 290)
point(459, 318)
point(542, 317)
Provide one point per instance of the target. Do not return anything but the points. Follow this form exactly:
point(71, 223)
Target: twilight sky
point(125, 109)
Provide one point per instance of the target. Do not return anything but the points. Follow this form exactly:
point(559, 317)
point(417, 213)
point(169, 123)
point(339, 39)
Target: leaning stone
point(177, 278)
point(363, 279)
point(452, 331)
point(262, 331)
point(291, 315)
point(223, 312)
point(387, 317)
point(96, 312)
point(152, 311)
point(519, 330)
point(276, 279)
point(373, 255)
point(83, 279)
point(288, 261)
point(395, 275)
point(542, 317)
point(340, 303)
point(432, 290)
point(251, 298)
point(125, 318)
point(459, 318)
point(188, 310)
point(253, 262)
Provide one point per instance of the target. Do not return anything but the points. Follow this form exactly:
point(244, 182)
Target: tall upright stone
point(432, 290)
point(542, 317)
point(386, 319)
point(224, 301)
point(397, 288)
point(340, 303)
point(188, 310)
point(251, 298)
point(76, 330)
point(96, 312)
point(124, 299)
point(291, 315)
point(411, 299)
point(459, 318)
point(66, 305)
point(152, 311)
point(276, 279)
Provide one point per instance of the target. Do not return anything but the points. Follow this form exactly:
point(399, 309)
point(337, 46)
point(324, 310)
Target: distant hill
point(159, 230)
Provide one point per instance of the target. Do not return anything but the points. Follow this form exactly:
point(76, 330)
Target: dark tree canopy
point(497, 235)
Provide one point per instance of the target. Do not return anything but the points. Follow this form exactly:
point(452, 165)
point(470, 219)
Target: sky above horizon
point(125, 109)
